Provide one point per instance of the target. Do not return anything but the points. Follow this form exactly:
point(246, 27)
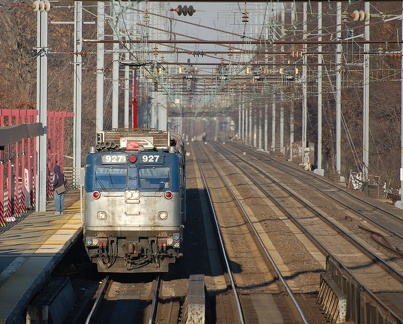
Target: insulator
point(35, 6)
point(185, 10)
point(41, 6)
point(245, 17)
point(191, 10)
point(395, 54)
point(355, 15)
point(47, 5)
point(360, 15)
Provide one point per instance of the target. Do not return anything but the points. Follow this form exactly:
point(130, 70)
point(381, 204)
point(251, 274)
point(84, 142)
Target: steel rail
point(238, 302)
point(322, 179)
point(252, 227)
point(153, 312)
point(378, 260)
point(98, 300)
point(384, 241)
point(257, 236)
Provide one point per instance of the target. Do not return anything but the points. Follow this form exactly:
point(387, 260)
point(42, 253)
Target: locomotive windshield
point(154, 178)
point(110, 178)
point(157, 178)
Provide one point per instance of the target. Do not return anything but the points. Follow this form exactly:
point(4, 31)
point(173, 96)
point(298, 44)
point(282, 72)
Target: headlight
point(177, 245)
point(176, 236)
point(101, 215)
point(134, 194)
point(163, 215)
point(170, 241)
point(90, 241)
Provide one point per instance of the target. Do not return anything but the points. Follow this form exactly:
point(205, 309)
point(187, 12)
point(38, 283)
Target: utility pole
point(399, 203)
point(42, 104)
point(100, 67)
point(78, 35)
point(115, 69)
point(304, 81)
point(319, 170)
point(365, 135)
point(338, 91)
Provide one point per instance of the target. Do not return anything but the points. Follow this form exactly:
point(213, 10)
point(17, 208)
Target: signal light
point(185, 10)
point(132, 158)
point(96, 194)
point(168, 194)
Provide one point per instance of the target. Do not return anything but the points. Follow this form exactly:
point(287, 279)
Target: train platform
point(30, 250)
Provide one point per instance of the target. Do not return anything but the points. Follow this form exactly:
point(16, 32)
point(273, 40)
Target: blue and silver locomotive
point(134, 204)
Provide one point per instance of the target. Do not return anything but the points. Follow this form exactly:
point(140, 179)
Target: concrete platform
point(30, 250)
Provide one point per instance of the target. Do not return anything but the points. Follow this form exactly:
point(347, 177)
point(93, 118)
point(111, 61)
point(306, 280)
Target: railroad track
point(364, 265)
point(368, 221)
point(365, 208)
point(127, 301)
point(252, 273)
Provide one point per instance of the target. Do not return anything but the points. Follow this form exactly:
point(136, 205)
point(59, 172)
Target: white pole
point(266, 126)
point(42, 106)
point(78, 33)
point(115, 71)
point(100, 67)
point(273, 121)
point(399, 203)
point(338, 90)
point(365, 135)
point(304, 81)
point(319, 170)
point(282, 92)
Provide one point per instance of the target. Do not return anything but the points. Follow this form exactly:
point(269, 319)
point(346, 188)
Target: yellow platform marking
point(54, 243)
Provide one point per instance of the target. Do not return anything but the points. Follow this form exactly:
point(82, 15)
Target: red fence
point(18, 161)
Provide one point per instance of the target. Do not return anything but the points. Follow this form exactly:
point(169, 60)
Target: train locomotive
point(134, 200)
